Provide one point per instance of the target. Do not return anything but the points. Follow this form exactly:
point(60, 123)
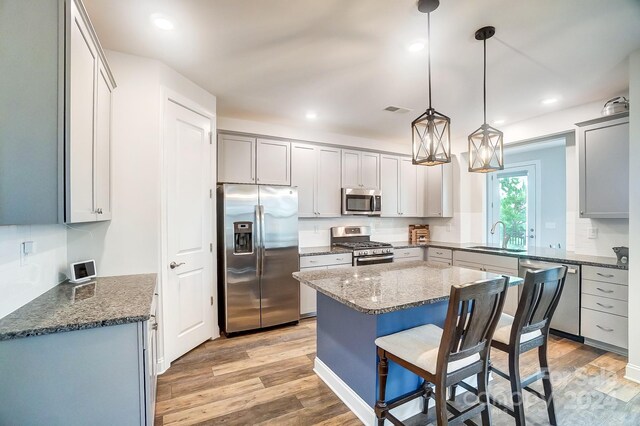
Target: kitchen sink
point(504, 250)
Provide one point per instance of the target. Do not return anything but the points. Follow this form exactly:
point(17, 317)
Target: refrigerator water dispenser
point(243, 237)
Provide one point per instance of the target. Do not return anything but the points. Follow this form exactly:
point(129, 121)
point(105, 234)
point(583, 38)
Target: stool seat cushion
point(419, 346)
point(503, 331)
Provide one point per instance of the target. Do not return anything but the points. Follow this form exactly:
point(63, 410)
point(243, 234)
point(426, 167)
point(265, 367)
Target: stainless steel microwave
point(358, 201)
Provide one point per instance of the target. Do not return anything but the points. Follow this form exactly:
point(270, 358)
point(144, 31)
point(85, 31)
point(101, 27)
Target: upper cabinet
point(439, 191)
point(399, 183)
point(315, 171)
point(603, 151)
point(243, 159)
point(360, 169)
point(56, 168)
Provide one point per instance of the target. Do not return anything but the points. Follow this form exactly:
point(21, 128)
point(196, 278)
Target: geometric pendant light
point(431, 135)
point(486, 145)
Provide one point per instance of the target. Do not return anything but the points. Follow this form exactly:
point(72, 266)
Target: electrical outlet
point(592, 233)
point(27, 249)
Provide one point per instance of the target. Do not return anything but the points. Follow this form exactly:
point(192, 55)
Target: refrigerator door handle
point(262, 238)
point(258, 242)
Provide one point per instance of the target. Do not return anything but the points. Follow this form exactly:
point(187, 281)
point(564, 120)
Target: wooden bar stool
point(446, 357)
point(528, 330)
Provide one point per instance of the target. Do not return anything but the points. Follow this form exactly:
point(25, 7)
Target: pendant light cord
point(484, 83)
point(429, 53)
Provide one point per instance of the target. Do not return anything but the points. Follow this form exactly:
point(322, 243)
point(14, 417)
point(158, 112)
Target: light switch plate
point(592, 233)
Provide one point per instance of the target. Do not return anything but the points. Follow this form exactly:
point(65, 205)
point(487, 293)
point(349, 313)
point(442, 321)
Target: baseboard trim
point(356, 404)
point(632, 373)
point(607, 347)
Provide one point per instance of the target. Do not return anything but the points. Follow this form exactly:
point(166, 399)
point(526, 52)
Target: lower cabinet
point(502, 265)
point(98, 376)
point(440, 256)
point(408, 254)
point(315, 263)
point(604, 308)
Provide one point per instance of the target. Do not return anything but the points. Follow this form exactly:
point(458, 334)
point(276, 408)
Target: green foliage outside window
point(513, 209)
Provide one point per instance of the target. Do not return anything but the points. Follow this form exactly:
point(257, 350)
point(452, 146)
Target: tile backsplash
point(23, 278)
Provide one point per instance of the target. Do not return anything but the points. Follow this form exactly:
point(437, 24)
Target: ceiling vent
point(397, 109)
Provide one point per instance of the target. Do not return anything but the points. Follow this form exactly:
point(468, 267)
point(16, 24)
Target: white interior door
point(188, 299)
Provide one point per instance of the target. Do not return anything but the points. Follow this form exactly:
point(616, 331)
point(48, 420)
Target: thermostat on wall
point(82, 271)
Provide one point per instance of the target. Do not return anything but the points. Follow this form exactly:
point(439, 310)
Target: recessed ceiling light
point(416, 46)
point(498, 122)
point(549, 101)
point(162, 22)
point(311, 115)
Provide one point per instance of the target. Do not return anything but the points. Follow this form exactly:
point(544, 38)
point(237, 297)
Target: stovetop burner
point(362, 245)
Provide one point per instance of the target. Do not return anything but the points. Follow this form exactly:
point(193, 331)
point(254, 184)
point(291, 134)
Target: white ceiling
point(273, 60)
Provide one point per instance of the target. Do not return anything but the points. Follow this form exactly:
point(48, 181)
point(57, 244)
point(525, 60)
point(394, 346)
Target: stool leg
point(441, 405)
point(516, 386)
point(546, 383)
point(428, 393)
point(483, 395)
point(452, 393)
point(383, 370)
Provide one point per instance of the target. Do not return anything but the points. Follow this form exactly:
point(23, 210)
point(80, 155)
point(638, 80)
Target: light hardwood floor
point(267, 378)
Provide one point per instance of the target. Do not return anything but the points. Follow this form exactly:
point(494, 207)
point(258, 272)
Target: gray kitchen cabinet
point(246, 159)
point(408, 254)
point(389, 184)
point(315, 171)
point(236, 159)
point(603, 152)
point(408, 188)
point(56, 168)
point(98, 376)
point(360, 169)
point(439, 192)
point(315, 263)
point(421, 191)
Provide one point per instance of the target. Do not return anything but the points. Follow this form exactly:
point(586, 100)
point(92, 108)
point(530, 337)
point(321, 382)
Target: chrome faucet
point(505, 236)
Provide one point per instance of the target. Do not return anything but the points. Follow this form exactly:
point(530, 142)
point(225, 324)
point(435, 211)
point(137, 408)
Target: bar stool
point(529, 330)
point(445, 357)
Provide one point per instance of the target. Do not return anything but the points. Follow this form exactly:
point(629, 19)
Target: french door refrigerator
point(257, 253)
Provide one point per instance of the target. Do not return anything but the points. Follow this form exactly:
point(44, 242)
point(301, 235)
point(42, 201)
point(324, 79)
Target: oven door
point(372, 260)
point(361, 202)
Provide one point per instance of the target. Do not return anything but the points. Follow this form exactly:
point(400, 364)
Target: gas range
point(358, 239)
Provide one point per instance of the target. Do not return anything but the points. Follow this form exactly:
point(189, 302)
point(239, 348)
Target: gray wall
point(553, 202)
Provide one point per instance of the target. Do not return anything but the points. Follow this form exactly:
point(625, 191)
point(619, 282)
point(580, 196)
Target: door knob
point(174, 265)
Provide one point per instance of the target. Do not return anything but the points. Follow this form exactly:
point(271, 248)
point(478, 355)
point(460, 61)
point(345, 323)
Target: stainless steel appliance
point(358, 201)
point(358, 239)
point(567, 316)
point(257, 253)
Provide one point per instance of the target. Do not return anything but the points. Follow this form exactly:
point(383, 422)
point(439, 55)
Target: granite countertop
point(99, 303)
point(389, 287)
point(536, 253)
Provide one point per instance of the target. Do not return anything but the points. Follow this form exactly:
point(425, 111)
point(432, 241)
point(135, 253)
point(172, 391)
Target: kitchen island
point(357, 305)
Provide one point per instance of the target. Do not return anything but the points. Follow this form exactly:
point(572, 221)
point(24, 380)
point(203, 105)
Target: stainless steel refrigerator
point(257, 253)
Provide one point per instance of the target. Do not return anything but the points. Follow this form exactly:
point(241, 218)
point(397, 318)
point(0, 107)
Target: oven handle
point(370, 259)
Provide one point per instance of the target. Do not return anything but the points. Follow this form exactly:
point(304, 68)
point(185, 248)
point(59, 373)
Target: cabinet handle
point(605, 275)
point(313, 261)
point(604, 291)
point(339, 258)
point(154, 326)
point(608, 330)
point(604, 306)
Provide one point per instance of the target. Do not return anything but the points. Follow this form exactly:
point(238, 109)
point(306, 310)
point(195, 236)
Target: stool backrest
point(472, 317)
point(541, 292)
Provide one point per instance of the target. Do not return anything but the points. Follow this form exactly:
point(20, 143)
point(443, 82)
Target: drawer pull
point(604, 291)
point(604, 328)
point(605, 275)
point(604, 306)
point(313, 261)
point(339, 258)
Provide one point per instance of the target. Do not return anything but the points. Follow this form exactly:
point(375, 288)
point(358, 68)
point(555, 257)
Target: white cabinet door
point(389, 172)
point(408, 188)
point(273, 162)
point(328, 196)
point(236, 159)
point(350, 169)
point(304, 171)
point(370, 170)
point(421, 191)
point(440, 191)
point(102, 158)
point(83, 67)
point(308, 295)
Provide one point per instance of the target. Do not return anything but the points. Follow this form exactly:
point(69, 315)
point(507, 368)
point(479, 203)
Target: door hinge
point(211, 300)
point(210, 138)
point(211, 247)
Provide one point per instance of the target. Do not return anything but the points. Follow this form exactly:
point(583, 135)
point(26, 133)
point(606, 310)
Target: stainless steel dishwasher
point(567, 316)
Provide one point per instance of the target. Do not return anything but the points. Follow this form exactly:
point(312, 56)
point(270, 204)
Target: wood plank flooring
point(267, 378)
